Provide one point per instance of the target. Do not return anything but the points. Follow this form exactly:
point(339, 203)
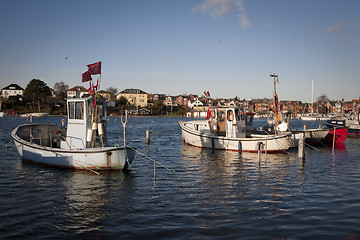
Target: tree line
point(39, 97)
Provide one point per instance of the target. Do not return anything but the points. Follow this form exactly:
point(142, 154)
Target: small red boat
point(337, 134)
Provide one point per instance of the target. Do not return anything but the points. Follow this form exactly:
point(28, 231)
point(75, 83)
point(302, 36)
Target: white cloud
point(217, 8)
point(336, 27)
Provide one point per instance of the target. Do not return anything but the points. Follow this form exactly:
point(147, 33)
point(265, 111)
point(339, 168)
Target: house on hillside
point(135, 97)
point(195, 102)
point(12, 90)
point(76, 92)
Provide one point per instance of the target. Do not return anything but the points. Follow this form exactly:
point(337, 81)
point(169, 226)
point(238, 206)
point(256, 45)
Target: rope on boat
point(271, 136)
point(171, 170)
point(7, 148)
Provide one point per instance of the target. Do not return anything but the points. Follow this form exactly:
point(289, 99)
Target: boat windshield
point(76, 110)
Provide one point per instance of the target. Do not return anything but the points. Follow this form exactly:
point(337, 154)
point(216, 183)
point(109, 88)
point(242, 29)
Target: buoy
point(89, 135)
point(100, 129)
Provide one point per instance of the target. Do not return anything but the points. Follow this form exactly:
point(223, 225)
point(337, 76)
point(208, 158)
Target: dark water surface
point(211, 194)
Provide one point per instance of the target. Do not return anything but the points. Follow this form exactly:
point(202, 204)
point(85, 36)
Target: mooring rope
point(171, 170)
point(277, 142)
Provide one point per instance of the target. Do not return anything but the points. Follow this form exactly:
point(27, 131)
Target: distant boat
point(315, 117)
point(35, 114)
point(2, 114)
point(281, 124)
point(313, 136)
point(229, 128)
point(351, 122)
point(82, 145)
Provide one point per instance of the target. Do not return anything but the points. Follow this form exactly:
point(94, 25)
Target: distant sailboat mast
point(312, 97)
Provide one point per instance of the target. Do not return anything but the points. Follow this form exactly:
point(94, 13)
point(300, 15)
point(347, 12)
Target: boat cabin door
point(231, 126)
point(221, 123)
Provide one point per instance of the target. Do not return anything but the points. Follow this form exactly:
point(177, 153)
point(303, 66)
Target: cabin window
point(79, 110)
point(249, 119)
point(221, 116)
point(76, 110)
point(230, 115)
point(237, 114)
point(196, 127)
point(71, 110)
point(213, 114)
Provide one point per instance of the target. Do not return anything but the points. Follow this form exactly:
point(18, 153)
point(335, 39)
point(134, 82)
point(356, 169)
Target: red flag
point(208, 115)
point(86, 76)
point(95, 68)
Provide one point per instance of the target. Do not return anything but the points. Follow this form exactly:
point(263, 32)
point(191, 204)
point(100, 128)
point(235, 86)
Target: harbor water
point(197, 194)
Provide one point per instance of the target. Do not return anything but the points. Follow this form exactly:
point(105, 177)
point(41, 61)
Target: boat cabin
point(86, 123)
point(232, 122)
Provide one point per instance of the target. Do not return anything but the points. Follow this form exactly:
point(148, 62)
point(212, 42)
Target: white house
point(194, 103)
point(12, 90)
point(76, 92)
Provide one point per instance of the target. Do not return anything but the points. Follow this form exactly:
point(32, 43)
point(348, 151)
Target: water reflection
point(81, 197)
point(231, 179)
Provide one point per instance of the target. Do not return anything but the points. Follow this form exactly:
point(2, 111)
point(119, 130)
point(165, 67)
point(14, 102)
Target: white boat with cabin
point(82, 145)
point(230, 128)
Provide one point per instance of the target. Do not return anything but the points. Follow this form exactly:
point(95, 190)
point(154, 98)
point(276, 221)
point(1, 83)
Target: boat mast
point(275, 101)
point(312, 97)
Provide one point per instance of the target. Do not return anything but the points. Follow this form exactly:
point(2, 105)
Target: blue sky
point(178, 47)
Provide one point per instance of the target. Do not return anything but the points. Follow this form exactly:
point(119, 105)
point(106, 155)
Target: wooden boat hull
point(204, 139)
point(102, 158)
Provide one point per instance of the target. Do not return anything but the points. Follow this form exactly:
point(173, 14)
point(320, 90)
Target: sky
point(228, 47)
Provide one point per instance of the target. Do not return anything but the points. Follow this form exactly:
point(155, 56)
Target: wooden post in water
point(333, 146)
point(260, 147)
point(154, 170)
point(148, 137)
point(301, 147)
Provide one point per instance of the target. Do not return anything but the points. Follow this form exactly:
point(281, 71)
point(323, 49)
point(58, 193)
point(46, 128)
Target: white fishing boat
point(82, 145)
point(230, 128)
point(2, 113)
point(35, 114)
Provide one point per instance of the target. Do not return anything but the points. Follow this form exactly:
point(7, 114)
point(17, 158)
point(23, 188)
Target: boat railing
point(48, 136)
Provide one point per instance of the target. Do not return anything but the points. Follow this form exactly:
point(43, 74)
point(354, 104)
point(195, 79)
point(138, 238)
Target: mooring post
point(260, 147)
point(148, 137)
point(301, 148)
point(154, 170)
point(333, 146)
point(30, 118)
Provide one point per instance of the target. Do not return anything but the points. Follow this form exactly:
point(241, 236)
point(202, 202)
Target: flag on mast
point(86, 76)
point(94, 68)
